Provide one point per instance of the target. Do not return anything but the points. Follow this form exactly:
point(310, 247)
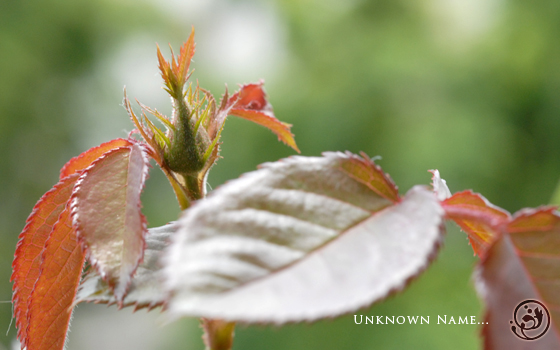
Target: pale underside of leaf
point(146, 286)
point(107, 216)
point(297, 240)
point(504, 282)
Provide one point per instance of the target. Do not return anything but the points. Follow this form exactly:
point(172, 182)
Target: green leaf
point(106, 214)
point(298, 240)
point(145, 288)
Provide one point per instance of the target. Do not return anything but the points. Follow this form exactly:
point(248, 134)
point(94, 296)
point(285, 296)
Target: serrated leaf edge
point(74, 203)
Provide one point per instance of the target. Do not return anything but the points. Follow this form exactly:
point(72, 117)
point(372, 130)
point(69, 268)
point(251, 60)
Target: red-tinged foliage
point(175, 74)
point(181, 66)
point(251, 96)
point(479, 218)
point(106, 214)
point(370, 174)
point(85, 159)
point(535, 234)
point(281, 129)
point(50, 306)
point(250, 103)
point(28, 256)
point(506, 278)
point(542, 219)
point(94, 212)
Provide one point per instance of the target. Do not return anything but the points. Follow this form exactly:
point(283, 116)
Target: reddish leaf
point(518, 268)
point(175, 75)
point(26, 265)
point(85, 159)
point(370, 174)
point(181, 66)
point(50, 306)
point(542, 220)
point(479, 218)
point(251, 96)
point(107, 216)
point(250, 103)
point(266, 119)
point(535, 234)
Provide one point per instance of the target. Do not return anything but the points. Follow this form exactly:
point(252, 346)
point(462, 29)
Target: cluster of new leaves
point(66, 225)
point(94, 213)
point(298, 240)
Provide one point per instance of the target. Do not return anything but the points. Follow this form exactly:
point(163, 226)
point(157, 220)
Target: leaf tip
point(439, 186)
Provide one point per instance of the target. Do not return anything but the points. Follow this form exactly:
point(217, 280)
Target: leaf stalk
point(218, 334)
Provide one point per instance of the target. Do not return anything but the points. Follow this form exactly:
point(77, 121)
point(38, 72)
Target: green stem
point(194, 187)
point(179, 190)
point(218, 334)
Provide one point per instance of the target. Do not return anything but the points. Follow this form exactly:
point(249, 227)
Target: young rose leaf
point(535, 233)
point(28, 258)
point(175, 73)
point(145, 288)
point(370, 174)
point(479, 218)
point(107, 217)
point(50, 305)
point(250, 103)
point(27, 262)
point(298, 240)
point(523, 265)
point(85, 159)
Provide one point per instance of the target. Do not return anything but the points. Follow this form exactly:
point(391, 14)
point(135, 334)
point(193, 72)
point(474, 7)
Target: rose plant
point(300, 239)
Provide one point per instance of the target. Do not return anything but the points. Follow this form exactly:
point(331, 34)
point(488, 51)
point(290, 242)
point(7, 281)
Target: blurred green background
point(469, 87)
